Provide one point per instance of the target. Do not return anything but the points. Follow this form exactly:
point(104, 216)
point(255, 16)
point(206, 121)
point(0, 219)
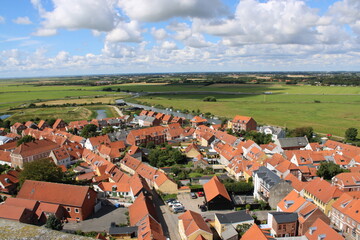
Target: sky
point(83, 37)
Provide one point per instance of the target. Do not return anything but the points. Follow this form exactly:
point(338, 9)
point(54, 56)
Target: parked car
point(170, 200)
point(173, 203)
point(179, 209)
point(177, 206)
point(203, 208)
point(193, 195)
point(200, 194)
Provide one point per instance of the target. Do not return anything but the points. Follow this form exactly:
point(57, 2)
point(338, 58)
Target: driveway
point(100, 221)
point(189, 203)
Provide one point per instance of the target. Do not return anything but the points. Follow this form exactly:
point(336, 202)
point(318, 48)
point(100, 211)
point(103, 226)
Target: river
point(101, 114)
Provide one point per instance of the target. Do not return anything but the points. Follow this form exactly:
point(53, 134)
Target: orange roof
point(131, 162)
point(18, 202)
point(349, 205)
point(5, 156)
point(321, 228)
point(295, 182)
point(36, 147)
point(150, 229)
point(286, 165)
point(198, 119)
point(348, 179)
point(292, 202)
point(64, 194)
point(162, 178)
point(214, 188)
point(345, 149)
point(239, 118)
point(306, 211)
point(225, 137)
point(47, 208)
point(117, 187)
point(12, 212)
point(141, 208)
point(146, 171)
point(255, 233)
point(97, 141)
point(323, 190)
point(193, 222)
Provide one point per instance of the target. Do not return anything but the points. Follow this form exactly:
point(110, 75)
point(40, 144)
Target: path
point(118, 111)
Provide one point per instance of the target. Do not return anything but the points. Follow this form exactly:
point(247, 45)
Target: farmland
point(325, 113)
point(328, 109)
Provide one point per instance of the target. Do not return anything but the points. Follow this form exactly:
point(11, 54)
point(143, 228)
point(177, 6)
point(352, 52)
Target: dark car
point(203, 208)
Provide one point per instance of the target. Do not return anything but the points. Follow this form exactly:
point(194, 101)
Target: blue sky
point(71, 37)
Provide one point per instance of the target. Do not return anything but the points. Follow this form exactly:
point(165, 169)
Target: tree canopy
point(41, 170)
point(89, 131)
point(328, 170)
point(165, 156)
point(351, 134)
point(53, 223)
point(25, 139)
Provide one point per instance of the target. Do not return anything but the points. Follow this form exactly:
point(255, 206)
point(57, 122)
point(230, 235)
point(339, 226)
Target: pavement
point(100, 221)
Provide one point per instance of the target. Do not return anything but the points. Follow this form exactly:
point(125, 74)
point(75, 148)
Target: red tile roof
point(141, 208)
point(198, 119)
point(292, 202)
point(323, 190)
point(321, 228)
point(193, 222)
point(214, 188)
point(65, 194)
point(255, 233)
point(36, 147)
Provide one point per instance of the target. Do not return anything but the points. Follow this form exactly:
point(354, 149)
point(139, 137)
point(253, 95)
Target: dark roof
point(234, 217)
point(284, 217)
point(122, 230)
point(268, 176)
point(293, 142)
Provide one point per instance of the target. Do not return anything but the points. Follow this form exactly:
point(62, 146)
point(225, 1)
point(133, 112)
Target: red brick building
point(79, 201)
point(143, 136)
point(242, 123)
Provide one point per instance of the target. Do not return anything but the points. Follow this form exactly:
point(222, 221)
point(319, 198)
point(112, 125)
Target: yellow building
point(322, 193)
point(164, 184)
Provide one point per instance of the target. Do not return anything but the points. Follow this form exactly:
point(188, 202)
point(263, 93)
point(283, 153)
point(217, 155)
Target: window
point(76, 210)
point(68, 209)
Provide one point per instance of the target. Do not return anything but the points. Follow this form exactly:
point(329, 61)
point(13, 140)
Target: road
point(118, 111)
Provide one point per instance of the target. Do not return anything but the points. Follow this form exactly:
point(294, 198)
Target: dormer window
point(312, 230)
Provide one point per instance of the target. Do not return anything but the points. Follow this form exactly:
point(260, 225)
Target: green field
point(330, 114)
point(66, 113)
point(326, 109)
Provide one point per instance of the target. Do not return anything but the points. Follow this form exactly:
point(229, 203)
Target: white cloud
point(182, 30)
point(45, 32)
point(159, 34)
point(197, 40)
point(169, 45)
point(2, 19)
point(22, 20)
point(273, 21)
point(160, 10)
point(125, 32)
point(89, 14)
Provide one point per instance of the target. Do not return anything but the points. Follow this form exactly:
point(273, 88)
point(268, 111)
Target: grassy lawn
point(104, 100)
point(334, 114)
point(66, 113)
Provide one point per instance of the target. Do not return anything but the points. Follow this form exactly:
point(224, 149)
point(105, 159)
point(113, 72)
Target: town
point(155, 176)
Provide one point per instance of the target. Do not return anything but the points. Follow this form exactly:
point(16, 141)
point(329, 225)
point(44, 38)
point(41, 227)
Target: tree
point(107, 130)
point(25, 139)
point(351, 134)
point(303, 131)
point(41, 170)
point(328, 170)
point(242, 228)
point(89, 131)
point(209, 99)
point(53, 223)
